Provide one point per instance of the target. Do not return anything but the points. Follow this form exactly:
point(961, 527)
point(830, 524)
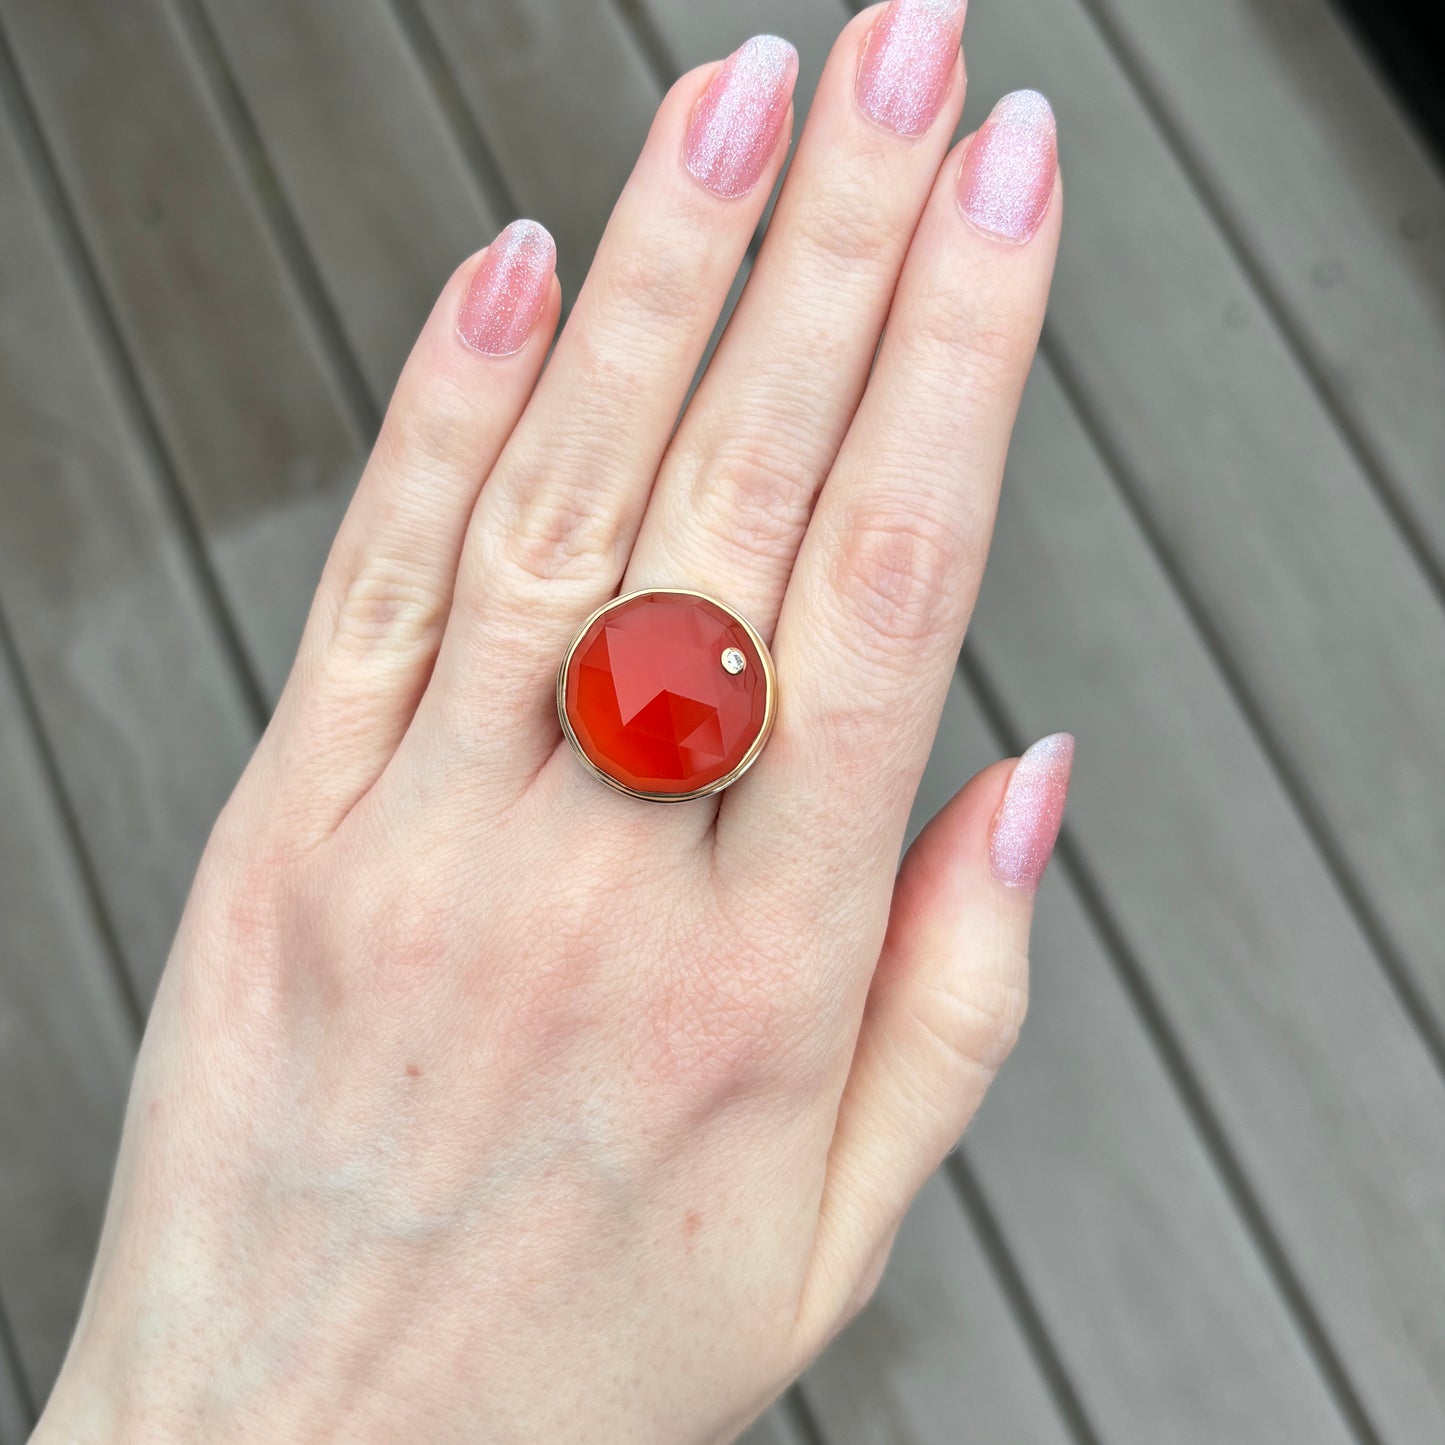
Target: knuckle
point(557, 530)
point(969, 343)
point(847, 228)
point(973, 1018)
point(748, 495)
point(384, 608)
point(651, 286)
point(891, 567)
point(430, 422)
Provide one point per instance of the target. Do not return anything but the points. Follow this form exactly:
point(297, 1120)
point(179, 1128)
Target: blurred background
point(1207, 1200)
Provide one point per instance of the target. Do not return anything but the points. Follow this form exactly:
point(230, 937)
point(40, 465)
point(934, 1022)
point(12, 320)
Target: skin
point(479, 1101)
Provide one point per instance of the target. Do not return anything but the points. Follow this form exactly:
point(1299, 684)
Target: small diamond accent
point(733, 661)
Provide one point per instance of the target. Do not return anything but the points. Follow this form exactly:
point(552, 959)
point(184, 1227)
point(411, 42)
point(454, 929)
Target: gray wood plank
point(65, 1050)
point(148, 723)
point(1335, 199)
point(1330, 1105)
point(936, 1358)
point(381, 191)
point(15, 1409)
point(1153, 1290)
point(1329, 628)
point(778, 1427)
point(563, 99)
point(221, 338)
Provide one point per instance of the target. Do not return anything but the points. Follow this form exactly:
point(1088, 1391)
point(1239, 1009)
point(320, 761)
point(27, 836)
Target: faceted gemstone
point(651, 700)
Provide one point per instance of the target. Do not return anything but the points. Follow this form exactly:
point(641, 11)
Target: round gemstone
point(651, 700)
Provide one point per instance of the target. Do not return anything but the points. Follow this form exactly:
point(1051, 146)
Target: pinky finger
point(943, 1012)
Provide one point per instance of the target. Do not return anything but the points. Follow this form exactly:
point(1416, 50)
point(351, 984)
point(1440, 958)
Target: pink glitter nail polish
point(1031, 813)
point(1008, 173)
point(508, 290)
point(735, 127)
point(907, 63)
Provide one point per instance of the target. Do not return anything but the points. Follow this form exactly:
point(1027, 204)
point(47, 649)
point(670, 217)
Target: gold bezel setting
point(770, 696)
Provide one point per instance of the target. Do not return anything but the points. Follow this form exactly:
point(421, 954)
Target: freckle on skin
point(412, 1072)
point(691, 1223)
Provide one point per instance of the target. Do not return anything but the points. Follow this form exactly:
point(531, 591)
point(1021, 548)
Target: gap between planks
point(76, 252)
point(1313, 821)
point(1181, 1074)
point(1313, 824)
point(1398, 507)
point(240, 130)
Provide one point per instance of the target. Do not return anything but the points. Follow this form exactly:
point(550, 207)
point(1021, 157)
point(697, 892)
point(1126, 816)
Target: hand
point(480, 1101)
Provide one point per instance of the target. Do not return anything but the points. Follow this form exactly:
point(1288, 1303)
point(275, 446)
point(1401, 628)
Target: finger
point(888, 572)
point(943, 1010)
point(735, 491)
point(551, 534)
point(372, 636)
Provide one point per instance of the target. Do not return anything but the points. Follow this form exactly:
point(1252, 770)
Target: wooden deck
point(1206, 1202)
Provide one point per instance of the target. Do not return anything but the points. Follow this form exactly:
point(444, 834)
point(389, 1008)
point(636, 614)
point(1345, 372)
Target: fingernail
point(508, 290)
point(1028, 820)
point(1008, 173)
point(735, 126)
point(907, 63)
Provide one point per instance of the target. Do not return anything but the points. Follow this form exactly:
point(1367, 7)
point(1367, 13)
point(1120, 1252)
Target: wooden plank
point(1333, 197)
point(937, 1352)
point(1230, 925)
point(1309, 593)
point(1115, 1214)
point(16, 1413)
point(381, 192)
point(778, 1427)
point(148, 723)
point(223, 342)
point(563, 99)
point(65, 1049)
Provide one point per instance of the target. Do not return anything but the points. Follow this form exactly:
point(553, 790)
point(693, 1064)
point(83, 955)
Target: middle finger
point(735, 491)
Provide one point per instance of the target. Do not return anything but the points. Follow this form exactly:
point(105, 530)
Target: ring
point(667, 694)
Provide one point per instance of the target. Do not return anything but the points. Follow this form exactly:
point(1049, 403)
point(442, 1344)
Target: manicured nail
point(1031, 813)
point(907, 63)
point(735, 126)
point(1008, 173)
point(508, 290)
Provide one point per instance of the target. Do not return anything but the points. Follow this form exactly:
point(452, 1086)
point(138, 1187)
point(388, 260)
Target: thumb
point(943, 1011)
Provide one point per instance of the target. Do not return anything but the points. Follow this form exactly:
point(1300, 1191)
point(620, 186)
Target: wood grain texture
point(220, 336)
point(1149, 1285)
point(1310, 595)
point(563, 99)
point(1228, 919)
point(1335, 201)
point(779, 1426)
point(65, 1049)
point(148, 723)
point(15, 1408)
point(937, 1356)
point(371, 169)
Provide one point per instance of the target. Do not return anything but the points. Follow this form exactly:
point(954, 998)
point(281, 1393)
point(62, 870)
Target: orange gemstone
point(665, 692)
